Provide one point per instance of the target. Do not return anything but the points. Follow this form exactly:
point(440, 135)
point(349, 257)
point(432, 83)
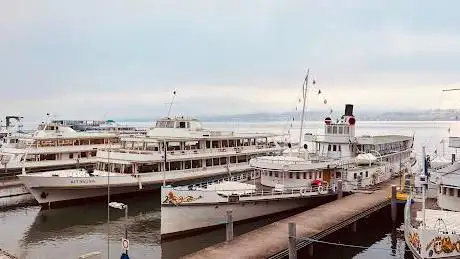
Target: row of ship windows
point(337, 129)
point(297, 175)
point(355, 175)
point(46, 157)
point(452, 191)
point(334, 148)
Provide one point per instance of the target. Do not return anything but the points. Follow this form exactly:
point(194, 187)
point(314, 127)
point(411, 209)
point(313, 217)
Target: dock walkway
point(314, 223)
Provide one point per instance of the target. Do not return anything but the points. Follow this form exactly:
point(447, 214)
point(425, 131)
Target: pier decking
point(316, 223)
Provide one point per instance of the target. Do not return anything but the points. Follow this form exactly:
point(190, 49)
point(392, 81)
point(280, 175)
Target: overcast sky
point(91, 58)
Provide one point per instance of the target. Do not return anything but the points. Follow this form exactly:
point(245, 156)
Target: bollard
point(292, 241)
point(339, 189)
point(393, 203)
point(229, 226)
point(453, 158)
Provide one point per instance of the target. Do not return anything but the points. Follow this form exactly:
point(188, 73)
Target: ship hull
point(189, 219)
point(48, 190)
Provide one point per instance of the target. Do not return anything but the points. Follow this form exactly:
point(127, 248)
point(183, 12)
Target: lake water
point(32, 233)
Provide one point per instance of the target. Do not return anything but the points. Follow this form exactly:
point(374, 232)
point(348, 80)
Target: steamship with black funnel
point(291, 180)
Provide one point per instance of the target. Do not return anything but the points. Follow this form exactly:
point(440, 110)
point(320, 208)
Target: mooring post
point(229, 226)
point(292, 241)
point(339, 189)
point(393, 203)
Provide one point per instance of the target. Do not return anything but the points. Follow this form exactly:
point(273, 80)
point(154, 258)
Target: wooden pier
point(271, 241)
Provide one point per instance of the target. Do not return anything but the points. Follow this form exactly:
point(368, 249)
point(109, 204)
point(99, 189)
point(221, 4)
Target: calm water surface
point(30, 232)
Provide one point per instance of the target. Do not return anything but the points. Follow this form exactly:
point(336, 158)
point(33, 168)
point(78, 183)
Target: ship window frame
point(341, 130)
point(297, 175)
point(444, 190)
point(451, 192)
point(458, 193)
point(291, 175)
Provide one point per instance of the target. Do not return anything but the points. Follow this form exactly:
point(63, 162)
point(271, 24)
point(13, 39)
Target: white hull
point(48, 189)
point(48, 196)
point(180, 219)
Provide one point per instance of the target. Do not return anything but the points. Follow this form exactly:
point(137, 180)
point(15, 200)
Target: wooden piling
point(229, 226)
point(292, 241)
point(393, 203)
point(339, 189)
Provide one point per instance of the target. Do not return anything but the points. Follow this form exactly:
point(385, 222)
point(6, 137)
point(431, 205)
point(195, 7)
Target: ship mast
point(170, 104)
point(304, 96)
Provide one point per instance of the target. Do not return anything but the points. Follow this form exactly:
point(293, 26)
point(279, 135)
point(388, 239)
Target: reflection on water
point(383, 239)
point(72, 231)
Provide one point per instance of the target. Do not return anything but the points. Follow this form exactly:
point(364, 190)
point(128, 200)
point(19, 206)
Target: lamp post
point(121, 206)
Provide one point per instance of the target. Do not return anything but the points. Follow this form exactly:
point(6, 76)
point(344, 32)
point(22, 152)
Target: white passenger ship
point(432, 212)
point(176, 149)
point(292, 180)
point(52, 146)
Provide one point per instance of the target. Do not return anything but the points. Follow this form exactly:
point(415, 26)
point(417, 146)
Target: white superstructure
point(52, 146)
point(176, 149)
point(359, 161)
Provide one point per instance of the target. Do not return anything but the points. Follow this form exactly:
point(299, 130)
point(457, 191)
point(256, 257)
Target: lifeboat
point(365, 159)
point(439, 162)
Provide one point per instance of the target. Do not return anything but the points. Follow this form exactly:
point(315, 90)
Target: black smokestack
point(348, 109)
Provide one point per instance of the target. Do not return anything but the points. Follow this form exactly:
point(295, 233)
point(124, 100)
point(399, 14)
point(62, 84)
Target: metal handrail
point(272, 192)
point(193, 151)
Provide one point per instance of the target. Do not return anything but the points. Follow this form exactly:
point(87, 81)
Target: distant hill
point(422, 115)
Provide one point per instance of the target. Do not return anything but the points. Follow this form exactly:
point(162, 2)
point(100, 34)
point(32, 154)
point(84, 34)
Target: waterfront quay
point(275, 241)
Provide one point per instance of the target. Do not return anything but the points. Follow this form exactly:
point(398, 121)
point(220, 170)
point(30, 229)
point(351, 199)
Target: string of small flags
point(320, 93)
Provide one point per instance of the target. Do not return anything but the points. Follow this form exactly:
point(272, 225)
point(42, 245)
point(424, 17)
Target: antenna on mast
point(304, 97)
point(170, 104)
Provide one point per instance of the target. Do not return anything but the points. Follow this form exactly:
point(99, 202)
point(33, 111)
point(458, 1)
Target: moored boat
point(338, 160)
point(176, 149)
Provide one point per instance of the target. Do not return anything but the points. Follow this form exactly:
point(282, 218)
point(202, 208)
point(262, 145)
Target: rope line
point(347, 245)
